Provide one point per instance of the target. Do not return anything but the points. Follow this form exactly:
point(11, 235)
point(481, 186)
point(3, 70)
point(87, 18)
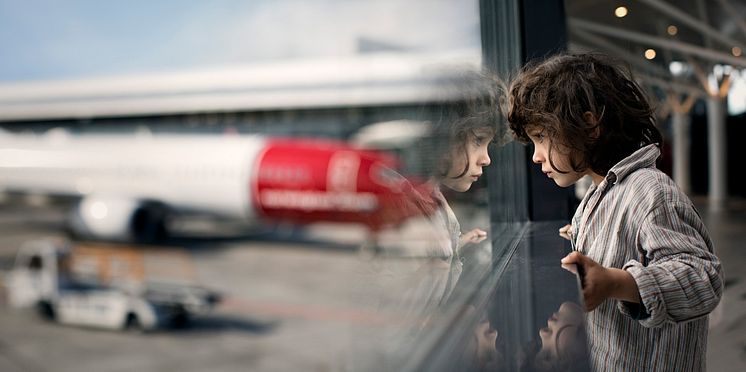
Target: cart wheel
point(45, 310)
point(180, 318)
point(132, 323)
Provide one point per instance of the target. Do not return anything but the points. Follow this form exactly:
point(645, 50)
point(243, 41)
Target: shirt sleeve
point(682, 279)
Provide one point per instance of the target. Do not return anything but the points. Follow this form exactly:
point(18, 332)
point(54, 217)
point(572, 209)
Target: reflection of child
point(462, 165)
point(563, 342)
point(561, 346)
point(650, 274)
point(414, 290)
point(455, 153)
point(459, 152)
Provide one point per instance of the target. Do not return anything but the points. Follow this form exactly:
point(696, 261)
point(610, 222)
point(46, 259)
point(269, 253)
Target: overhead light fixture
point(672, 30)
point(650, 53)
point(736, 51)
point(677, 68)
point(620, 11)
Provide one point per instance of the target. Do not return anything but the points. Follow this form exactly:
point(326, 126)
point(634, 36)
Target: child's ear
point(590, 118)
point(592, 121)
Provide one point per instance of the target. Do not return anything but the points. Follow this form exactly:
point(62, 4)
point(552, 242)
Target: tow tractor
point(107, 285)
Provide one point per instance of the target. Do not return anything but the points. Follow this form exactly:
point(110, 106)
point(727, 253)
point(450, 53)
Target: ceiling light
point(620, 11)
point(650, 53)
point(677, 68)
point(672, 30)
point(736, 51)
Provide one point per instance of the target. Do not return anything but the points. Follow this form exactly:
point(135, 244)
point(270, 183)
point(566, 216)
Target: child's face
point(560, 158)
point(474, 155)
point(561, 337)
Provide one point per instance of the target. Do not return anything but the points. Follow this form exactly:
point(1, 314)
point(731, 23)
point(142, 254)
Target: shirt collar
point(645, 157)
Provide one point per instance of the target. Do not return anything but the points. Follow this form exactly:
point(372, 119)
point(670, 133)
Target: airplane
point(127, 186)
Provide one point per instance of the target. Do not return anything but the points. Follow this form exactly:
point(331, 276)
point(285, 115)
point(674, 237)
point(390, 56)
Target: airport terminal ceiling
point(670, 45)
point(717, 25)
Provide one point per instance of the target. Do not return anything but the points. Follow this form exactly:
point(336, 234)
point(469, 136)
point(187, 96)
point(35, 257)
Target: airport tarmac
point(285, 306)
point(726, 345)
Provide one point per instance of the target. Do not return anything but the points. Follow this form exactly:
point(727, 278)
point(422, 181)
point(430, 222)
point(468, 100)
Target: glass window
point(337, 170)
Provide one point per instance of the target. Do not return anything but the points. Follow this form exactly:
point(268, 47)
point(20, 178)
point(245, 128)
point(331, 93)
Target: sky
point(56, 39)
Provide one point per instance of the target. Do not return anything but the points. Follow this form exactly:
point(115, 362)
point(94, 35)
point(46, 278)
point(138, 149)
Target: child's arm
point(600, 283)
point(682, 279)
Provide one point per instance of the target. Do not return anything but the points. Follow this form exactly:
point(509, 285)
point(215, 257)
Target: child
point(650, 274)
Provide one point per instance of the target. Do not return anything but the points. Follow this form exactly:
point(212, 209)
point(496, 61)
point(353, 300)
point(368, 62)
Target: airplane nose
point(334, 183)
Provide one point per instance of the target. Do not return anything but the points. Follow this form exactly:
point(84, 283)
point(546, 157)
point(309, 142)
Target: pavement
point(274, 319)
point(726, 349)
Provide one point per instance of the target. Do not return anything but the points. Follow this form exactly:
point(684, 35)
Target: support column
point(680, 121)
point(716, 151)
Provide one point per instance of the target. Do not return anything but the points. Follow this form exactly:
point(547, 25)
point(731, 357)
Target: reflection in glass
point(267, 70)
point(417, 266)
point(558, 346)
point(562, 341)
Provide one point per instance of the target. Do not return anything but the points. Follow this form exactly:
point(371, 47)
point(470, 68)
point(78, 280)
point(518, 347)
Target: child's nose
point(537, 157)
point(484, 159)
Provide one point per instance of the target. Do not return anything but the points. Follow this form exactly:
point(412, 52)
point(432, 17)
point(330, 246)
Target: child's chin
point(459, 188)
point(466, 187)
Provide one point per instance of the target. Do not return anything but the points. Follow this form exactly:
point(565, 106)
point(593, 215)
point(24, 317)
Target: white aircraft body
point(128, 185)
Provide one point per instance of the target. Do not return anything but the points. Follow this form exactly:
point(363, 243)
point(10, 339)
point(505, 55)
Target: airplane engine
point(118, 219)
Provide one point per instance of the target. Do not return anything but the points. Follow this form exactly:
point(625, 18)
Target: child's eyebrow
point(534, 131)
point(482, 133)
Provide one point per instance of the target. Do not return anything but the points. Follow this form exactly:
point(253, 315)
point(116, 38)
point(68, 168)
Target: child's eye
point(538, 136)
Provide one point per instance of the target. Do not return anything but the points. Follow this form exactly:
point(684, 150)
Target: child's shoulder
point(652, 186)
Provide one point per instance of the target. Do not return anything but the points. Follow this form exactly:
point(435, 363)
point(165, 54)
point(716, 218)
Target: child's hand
point(474, 236)
point(600, 283)
point(597, 283)
point(566, 231)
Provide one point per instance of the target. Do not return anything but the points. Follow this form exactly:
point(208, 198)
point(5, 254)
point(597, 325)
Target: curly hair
point(556, 94)
point(476, 108)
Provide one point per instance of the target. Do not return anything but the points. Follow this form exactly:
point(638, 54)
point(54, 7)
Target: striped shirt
point(638, 220)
